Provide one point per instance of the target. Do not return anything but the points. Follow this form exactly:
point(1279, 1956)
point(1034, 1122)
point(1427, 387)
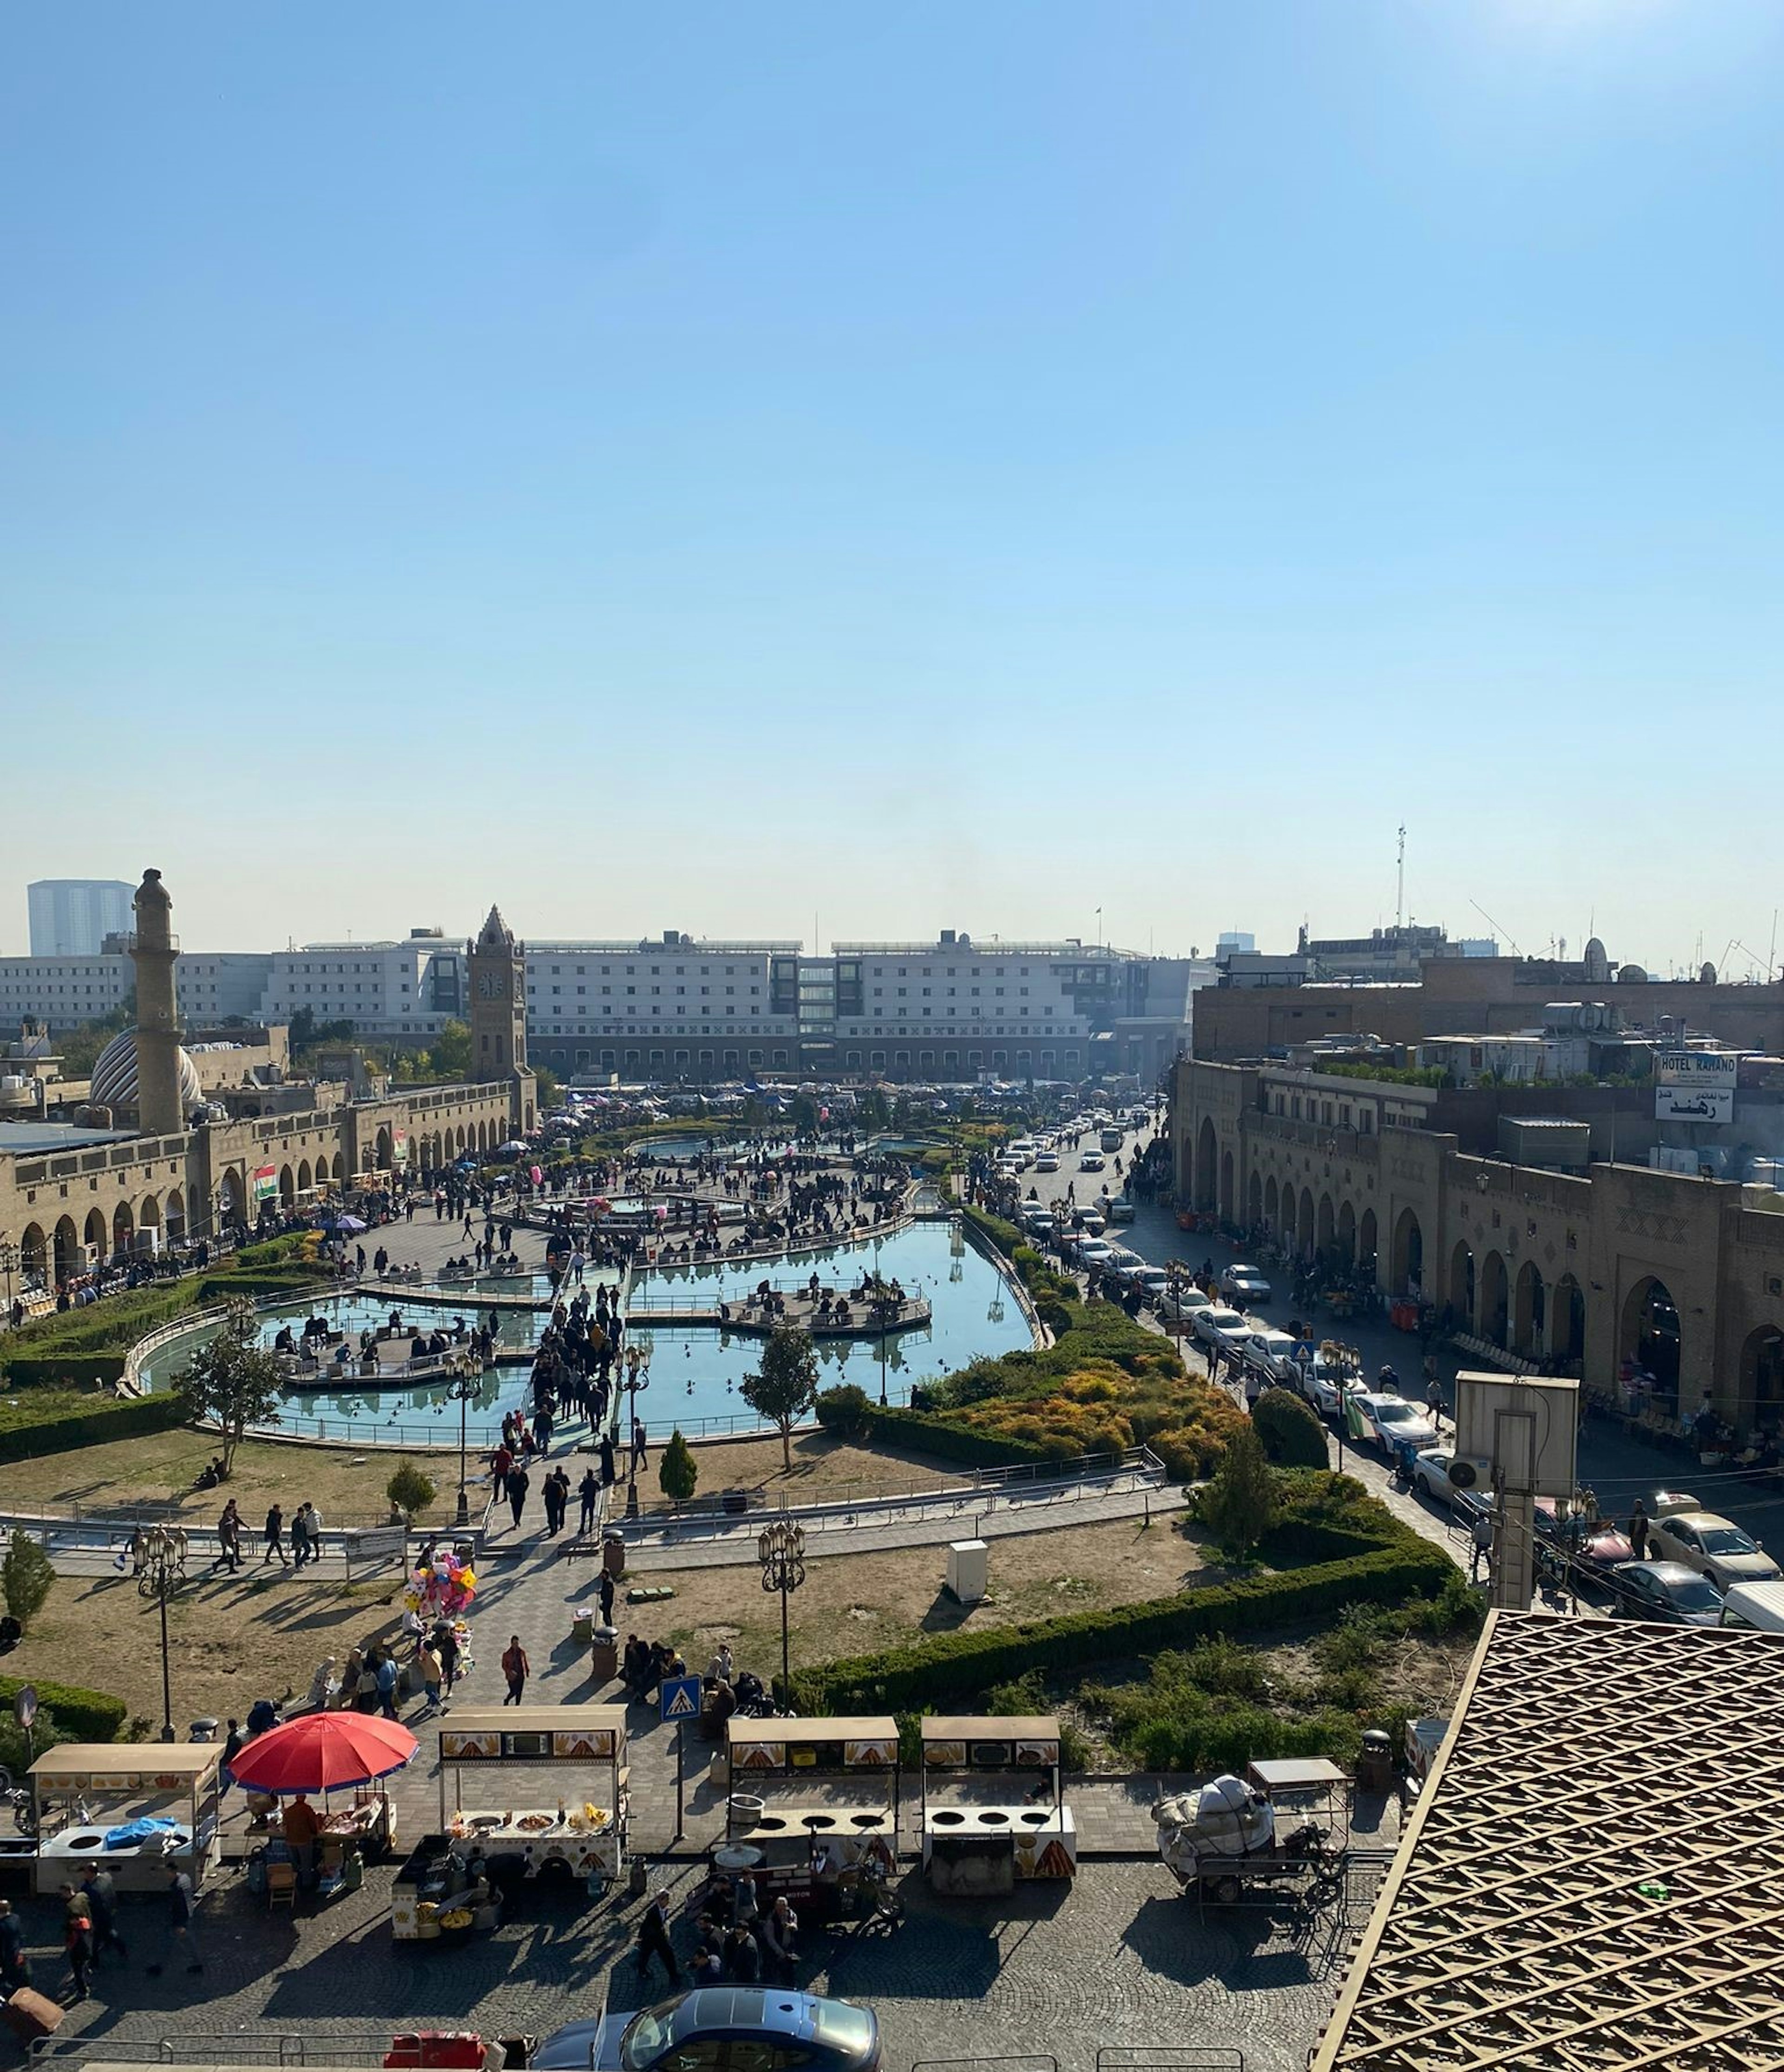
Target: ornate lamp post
point(466, 1384)
point(780, 1548)
point(162, 1559)
point(637, 1377)
point(10, 1260)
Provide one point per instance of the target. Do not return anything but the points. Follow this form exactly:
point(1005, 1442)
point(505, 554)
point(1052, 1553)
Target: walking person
point(653, 1940)
point(229, 1539)
point(605, 1590)
point(445, 1646)
point(516, 1668)
point(389, 1677)
point(15, 1966)
point(589, 1489)
point(1638, 1531)
point(77, 1940)
point(182, 1912)
point(101, 1890)
point(640, 1452)
point(519, 1483)
point(275, 1537)
point(300, 1535)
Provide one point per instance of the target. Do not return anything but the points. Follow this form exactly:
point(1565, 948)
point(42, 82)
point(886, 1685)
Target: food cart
point(134, 1807)
point(557, 1829)
point(971, 1846)
point(802, 1847)
point(1259, 1839)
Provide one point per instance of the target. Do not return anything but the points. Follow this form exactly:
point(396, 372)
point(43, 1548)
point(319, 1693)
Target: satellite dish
point(1462, 1475)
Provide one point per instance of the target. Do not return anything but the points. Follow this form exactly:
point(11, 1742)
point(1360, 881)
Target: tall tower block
point(153, 951)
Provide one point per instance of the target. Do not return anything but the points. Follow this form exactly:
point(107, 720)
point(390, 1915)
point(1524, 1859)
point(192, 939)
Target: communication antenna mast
point(1400, 884)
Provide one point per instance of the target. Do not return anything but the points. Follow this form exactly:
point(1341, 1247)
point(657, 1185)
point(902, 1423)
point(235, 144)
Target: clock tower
point(496, 976)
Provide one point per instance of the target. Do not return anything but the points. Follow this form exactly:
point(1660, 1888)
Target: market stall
point(793, 1842)
point(529, 1811)
point(325, 1752)
point(133, 1806)
point(973, 1845)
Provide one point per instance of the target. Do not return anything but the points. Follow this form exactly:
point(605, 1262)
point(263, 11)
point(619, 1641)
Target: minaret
point(153, 950)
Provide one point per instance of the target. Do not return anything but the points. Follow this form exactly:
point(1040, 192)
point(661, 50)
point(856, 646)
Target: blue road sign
point(679, 1697)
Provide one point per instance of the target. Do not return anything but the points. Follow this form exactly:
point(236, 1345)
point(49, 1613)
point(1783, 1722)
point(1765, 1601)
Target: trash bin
point(604, 1654)
point(582, 1628)
point(1375, 1763)
point(613, 1553)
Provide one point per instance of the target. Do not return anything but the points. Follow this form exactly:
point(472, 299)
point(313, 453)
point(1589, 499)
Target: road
point(1617, 1467)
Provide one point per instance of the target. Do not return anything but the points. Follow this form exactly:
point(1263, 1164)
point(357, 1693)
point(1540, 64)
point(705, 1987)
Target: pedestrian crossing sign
point(679, 1697)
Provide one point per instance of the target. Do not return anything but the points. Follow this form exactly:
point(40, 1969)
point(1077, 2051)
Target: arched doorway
point(1407, 1268)
point(383, 1150)
point(1366, 1243)
point(1205, 1164)
point(1347, 1235)
point(1226, 1186)
point(229, 1199)
point(303, 1176)
point(123, 1227)
point(1495, 1299)
point(339, 1167)
point(1460, 1297)
point(176, 1216)
point(1761, 1378)
point(97, 1235)
point(288, 1186)
point(69, 1260)
point(34, 1253)
point(1650, 1335)
point(1270, 1213)
point(148, 1218)
point(1303, 1227)
point(1529, 1313)
point(1325, 1229)
point(1567, 1327)
point(1254, 1200)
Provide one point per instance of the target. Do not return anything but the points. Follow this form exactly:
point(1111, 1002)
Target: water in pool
point(694, 1373)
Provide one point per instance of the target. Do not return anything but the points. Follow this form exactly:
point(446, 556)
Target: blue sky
point(736, 469)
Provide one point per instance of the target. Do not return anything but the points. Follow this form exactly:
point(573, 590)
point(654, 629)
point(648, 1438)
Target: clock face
point(491, 986)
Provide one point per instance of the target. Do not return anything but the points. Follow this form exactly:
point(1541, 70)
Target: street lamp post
point(163, 1568)
point(635, 1365)
point(466, 1384)
point(780, 1548)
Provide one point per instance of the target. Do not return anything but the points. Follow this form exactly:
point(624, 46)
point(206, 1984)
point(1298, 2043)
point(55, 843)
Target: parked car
point(1592, 1549)
point(1047, 1161)
point(1271, 1353)
point(704, 2027)
point(1118, 1208)
point(1180, 1301)
point(1092, 1162)
point(1323, 1382)
point(1715, 1546)
point(1244, 1284)
point(1389, 1423)
point(1095, 1251)
point(1217, 1325)
point(1153, 1282)
point(1667, 1590)
point(1431, 1478)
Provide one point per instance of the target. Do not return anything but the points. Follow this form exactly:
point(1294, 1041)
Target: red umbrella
point(322, 1751)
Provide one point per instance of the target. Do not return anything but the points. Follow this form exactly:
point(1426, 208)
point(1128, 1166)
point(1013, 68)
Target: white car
point(1388, 1422)
point(1152, 1282)
point(1092, 1162)
point(1323, 1382)
point(1714, 1546)
point(1273, 1353)
point(1216, 1325)
point(1181, 1300)
point(1047, 1161)
point(1245, 1284)
point(1094, 1252)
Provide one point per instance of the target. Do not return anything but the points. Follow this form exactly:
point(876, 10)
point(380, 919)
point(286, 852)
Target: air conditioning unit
point(1471, 1471)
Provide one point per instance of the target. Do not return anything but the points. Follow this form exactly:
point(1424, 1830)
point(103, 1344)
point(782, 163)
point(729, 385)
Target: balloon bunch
point(443, 1589)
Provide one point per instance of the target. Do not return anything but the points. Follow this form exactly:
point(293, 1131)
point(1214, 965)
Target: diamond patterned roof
point(1588, 1759)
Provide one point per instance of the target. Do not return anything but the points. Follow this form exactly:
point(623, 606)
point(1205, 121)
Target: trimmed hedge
point(925, 1433)
point(1358, 1552)
point(65, 1370)
point(83, 1714)
point(87, 1420)
point(995, 1231)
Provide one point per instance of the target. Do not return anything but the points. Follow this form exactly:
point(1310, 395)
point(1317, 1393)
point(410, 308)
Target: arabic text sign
point(1694, 1105)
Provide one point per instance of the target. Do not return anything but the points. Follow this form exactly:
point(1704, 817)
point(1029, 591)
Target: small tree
point(1239, 1506)
point(233, 1381)
point(678, 1471)
point(409, 1488)
point(787, 1385)
point(845, 1411)
point(1292, 1436)
point(26, 1576)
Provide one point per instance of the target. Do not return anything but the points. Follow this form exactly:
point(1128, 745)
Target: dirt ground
point(851, 1604)
point(823, 1469)
point(159, 1467)
point(229, 1642)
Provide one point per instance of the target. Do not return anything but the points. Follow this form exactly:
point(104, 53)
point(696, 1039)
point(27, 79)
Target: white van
point(1759, 1604)
point(1111, 1140)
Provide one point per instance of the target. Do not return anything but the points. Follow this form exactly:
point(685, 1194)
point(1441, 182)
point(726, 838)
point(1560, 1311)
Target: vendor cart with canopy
point(132, 1806)
point(974, 1843)
point(804, 1842)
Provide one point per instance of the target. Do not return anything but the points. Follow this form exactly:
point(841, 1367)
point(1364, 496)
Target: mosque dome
point(114, 1084)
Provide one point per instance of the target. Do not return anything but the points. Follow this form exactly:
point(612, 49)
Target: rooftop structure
point(1593, 1876)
